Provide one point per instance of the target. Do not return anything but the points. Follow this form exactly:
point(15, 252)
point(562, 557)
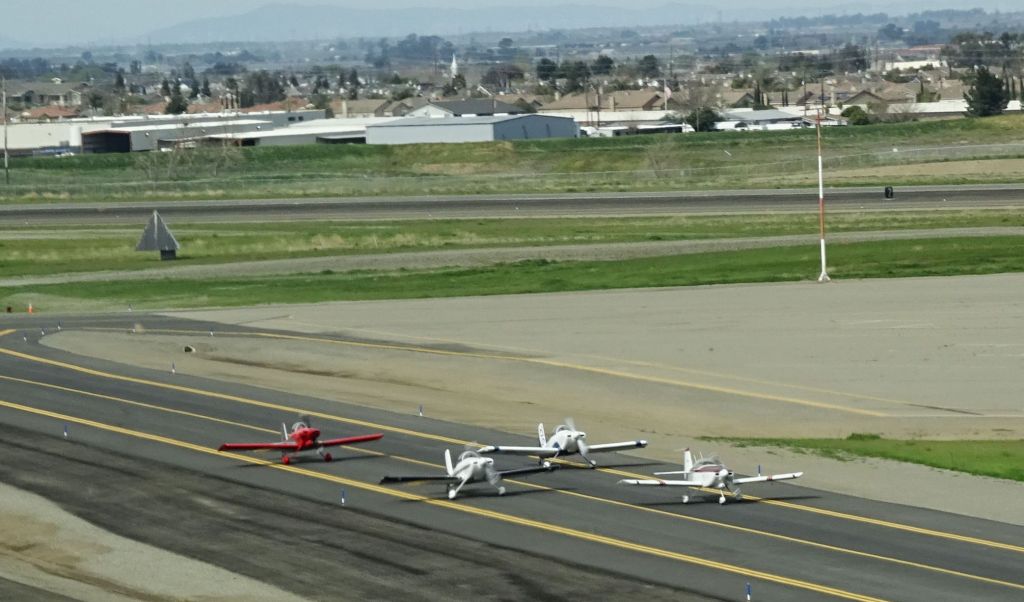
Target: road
point(788, 542)
point(592, 204)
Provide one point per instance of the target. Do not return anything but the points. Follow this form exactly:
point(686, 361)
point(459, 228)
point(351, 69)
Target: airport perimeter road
point(788, 542)
point(594, 204)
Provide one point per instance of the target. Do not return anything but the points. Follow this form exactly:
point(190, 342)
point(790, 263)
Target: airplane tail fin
point(448, 462)
point(541, 437)
point(687, 460)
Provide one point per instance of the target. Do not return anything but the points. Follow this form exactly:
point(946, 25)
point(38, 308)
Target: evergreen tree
point(205, 89)
point(165, 88)
point(178, 104)
point(987, 95)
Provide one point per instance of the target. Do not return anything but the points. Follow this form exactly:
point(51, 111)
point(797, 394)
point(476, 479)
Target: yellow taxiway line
point(454, 441)
point(481, 512)
point(588, 497)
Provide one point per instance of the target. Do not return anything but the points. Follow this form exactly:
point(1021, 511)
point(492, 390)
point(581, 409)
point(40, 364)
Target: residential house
point(619, 100)
point(56, 93)
point(470, 107)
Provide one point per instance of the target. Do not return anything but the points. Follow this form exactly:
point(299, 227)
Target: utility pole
point(3, 112)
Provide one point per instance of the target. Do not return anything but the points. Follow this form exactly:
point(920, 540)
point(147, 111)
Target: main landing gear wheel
point(451, 492)
point(721, 500)
point(328, 457)
point(501, 491)
point(286, 460)
point(686, 499)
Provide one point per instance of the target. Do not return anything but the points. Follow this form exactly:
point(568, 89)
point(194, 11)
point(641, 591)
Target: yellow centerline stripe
point(139, 404)
point(235, 398)
point(453, 441)
point(588, 497)
point(507, 518)
point(542, 362)
point(6, 332)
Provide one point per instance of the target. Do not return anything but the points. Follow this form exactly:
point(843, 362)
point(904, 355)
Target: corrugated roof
point(448, 121)
point(476, 106)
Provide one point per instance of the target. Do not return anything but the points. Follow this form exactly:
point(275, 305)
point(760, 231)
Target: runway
point(505, 206)
point(786, 541)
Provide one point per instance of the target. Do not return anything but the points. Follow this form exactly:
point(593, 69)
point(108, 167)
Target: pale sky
point(67, 22)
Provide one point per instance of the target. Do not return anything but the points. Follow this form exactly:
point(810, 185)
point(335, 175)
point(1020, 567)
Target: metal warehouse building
point(166, 135)
point(418, 130)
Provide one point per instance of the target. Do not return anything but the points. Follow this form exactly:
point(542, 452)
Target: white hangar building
point(419, 130)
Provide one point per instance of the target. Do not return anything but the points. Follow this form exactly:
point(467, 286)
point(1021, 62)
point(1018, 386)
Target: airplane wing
point(604, 447)
point(527, 470)
point(773, 477)
point(413, 479)
point(350, 440)
point(286, 445)
point(543, 452)
point(661, 483)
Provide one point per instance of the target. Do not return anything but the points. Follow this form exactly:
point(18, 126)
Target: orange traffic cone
point(29, 308)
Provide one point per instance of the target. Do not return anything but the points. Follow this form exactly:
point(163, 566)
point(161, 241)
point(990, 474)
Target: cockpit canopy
point(469, 453)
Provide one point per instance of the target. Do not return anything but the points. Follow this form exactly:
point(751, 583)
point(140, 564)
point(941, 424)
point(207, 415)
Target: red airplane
point(302, 438)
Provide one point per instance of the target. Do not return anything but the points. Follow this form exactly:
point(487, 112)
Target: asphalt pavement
point(498, 206)
point(786, 541)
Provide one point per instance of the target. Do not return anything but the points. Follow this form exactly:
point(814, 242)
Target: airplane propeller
point(581, 441)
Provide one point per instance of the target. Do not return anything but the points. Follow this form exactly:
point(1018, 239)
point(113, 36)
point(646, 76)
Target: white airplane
point(471, 468)
point(566, 440)
point(708, 473)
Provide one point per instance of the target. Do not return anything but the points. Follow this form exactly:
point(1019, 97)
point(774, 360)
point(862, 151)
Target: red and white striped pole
point(821, 205)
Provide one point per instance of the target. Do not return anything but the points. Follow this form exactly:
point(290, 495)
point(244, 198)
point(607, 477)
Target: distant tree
point(401, 93)
point(703, 119)
point(119, 83)
point(294, 81)
point(890, 32)
point(502, 75)
point(506, 43)
point(987, 95)
point(576, 74)
point(205, 88)
point(95, 99)
point(165, 88)
point(649, 67)
point(187, 72)
point(852, 58)
point(135, 67)
point(261, 87)
point(856, 115)
point(87, 56)
point(178, 104)
point(547, 70)
point(603, 65)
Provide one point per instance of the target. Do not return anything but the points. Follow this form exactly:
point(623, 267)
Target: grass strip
point(886, 259)
point(37, 251)
point(999, 459)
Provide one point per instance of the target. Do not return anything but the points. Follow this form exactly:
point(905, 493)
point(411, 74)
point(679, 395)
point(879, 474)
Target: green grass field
point(660, 162)
point(937, 257)
point(1000, 459)
point(37, 251)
